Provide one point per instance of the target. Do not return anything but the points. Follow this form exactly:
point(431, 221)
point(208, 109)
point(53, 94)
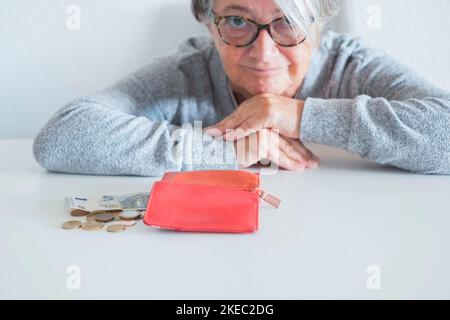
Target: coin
point(104, 217)
point(71, 225)
point(91, 216)
point(79, 213)
point(92, 225)
point(130, 215)
point(98, 211)
point(116, 215)
point(128, 223)
point(115, 228)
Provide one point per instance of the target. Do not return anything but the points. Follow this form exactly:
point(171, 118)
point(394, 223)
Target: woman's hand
point(265, 111)
point(268, 144)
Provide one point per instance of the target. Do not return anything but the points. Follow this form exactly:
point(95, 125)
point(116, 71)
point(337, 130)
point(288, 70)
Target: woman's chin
point(261, 88)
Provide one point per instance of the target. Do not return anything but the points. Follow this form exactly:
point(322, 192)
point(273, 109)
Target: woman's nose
point(263, 48)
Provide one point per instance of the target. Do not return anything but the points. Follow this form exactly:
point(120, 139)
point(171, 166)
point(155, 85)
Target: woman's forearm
point(413, 134)
point(90, 138)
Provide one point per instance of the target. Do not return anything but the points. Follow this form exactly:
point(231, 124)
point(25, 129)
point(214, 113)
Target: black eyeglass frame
point(218, 19)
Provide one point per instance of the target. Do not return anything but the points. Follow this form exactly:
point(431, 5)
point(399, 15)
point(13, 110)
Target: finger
point(212, 131)
point(308, 157)
point(292, 152)
point(218, 124)
point(295, 159)
point(286, 145)
point(311, 160)
point(241, 153)
point(247, 150)
point(285, 162)
point(233, 121)
point(277, 153)
point(250, 126)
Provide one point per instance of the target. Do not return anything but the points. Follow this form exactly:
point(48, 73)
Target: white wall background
point(44, 64)
point(416, 32)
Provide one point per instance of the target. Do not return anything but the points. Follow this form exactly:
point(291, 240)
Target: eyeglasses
point(241, 32)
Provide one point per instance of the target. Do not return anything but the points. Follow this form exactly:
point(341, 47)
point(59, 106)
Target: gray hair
point(299, 12)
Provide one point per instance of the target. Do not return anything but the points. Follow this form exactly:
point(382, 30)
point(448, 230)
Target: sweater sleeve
point(127, 129)
point(385, 113)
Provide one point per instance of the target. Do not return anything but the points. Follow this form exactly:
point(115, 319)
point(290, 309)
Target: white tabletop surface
point(335, 223)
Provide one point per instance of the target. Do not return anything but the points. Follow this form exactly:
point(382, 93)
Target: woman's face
point(289, 64)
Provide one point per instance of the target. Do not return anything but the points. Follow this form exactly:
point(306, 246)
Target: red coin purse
point(207, 201)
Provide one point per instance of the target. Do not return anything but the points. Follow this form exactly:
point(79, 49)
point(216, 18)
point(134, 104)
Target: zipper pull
point(270, 199)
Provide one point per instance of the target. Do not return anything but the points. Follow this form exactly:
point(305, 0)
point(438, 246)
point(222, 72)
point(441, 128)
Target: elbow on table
point(436, 162)
point(441, 167)
point(43, 152)
point(422, 158)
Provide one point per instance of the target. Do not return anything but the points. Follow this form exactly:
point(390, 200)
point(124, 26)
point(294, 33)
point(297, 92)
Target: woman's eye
point(287, 25)
point(287, 21)
point(236, 22)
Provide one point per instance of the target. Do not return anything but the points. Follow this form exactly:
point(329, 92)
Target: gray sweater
point(356, 98)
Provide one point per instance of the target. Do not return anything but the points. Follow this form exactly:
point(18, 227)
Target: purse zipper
point(269, 198)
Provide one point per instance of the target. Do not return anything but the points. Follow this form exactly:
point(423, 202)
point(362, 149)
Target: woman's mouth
point(266, 71)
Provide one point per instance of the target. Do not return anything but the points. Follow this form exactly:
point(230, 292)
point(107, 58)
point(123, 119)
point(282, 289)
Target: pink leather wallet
point(207, 201)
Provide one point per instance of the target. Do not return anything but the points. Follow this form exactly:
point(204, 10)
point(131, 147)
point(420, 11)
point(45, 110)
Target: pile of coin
point(117, 221)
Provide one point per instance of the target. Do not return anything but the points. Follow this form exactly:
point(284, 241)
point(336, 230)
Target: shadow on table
point(362, 165)
point(345, 164)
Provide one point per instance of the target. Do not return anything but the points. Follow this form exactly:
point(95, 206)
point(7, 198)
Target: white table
point(333, 224)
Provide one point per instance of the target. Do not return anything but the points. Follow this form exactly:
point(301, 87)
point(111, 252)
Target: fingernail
point(213, 132)
point(300, 167)
point(313, 164)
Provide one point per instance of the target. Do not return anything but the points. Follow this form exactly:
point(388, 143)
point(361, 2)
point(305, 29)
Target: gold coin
point(116, 215)
point(99, 211)
point(128, 223)
point(79, 213)
point(71, 225)
point(115, 228)
point(104, 217)
point(92, 225)
point(130, 215)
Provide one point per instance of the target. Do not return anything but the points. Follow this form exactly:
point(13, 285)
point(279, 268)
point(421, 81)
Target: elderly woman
point(267, 79)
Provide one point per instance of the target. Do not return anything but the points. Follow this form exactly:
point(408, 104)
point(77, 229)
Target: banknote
point(133, 201)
